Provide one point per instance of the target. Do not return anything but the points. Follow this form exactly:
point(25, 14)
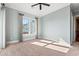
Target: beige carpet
point(46, 41)
point(38, 43)
point(58, 48)
point(30, 48)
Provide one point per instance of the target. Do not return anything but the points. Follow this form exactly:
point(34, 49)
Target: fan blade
point(2, 4)
point(40, 6)
point(45, 4)
point(35, 4)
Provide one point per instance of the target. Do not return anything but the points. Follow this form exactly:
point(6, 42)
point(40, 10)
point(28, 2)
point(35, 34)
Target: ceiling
point(75, 7)
point(26, 7)
point(0, 4)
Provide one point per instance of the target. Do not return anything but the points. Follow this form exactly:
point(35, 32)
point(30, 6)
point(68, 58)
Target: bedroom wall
point(13, 24)
point(56, 26)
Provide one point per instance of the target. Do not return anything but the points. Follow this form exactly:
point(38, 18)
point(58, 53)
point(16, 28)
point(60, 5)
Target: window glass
point(25, 25)
point(28, 26)
point(32, 26)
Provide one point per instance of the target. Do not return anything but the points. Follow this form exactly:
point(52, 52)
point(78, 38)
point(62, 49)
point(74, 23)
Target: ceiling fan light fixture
point(40, 5)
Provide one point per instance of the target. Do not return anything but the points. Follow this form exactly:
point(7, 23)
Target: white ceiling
point(26, 7)
point(75, 7)
point(0, 4)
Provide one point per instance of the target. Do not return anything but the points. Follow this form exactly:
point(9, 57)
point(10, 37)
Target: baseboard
point(27, 39)
point(10, 42)
point(16, 41)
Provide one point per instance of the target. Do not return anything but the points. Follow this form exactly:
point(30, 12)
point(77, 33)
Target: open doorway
point(77, 29)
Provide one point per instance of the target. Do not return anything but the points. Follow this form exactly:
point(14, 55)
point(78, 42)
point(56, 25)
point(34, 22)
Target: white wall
point(56, 26)
point(14, 25)
point(11, 25)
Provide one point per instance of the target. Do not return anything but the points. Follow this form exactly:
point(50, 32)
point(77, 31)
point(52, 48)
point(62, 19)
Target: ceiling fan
point(2, 4)
point(40, 5)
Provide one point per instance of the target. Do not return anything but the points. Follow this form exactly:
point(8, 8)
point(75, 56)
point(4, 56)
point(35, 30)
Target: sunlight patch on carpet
point(46, 41)
point(39, 43)
point(58, 48)
point(62, 44)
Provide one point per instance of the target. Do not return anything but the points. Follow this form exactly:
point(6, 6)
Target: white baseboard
point(16, 41)
point(27, 39)
point(10, 42)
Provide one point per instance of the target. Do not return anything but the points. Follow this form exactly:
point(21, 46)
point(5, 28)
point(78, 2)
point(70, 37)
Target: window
point(32, 26)
point(25, 25)
point(28, 25)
